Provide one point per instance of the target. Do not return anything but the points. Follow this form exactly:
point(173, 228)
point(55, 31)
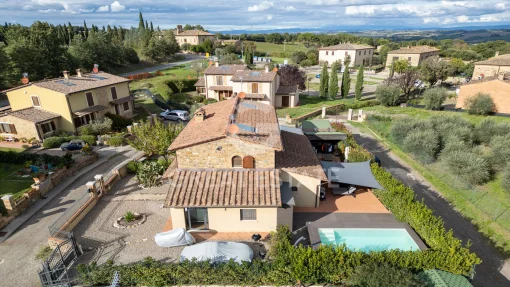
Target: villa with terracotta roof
point(360, 54)
point(492, 67)
point(236, 171)
point(413, 54)
point(226, 81)
point(192, 37)
point(40, 109)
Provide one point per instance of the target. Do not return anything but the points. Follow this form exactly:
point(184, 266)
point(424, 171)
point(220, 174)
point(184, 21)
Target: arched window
point(237, 161)
point(248, 162)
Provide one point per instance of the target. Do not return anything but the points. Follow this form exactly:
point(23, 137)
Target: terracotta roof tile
point(506, 79)
point(193, 33)
point(285, 90)
point(298, 156)
point(33, 115)
point(503, 60)
point(220, 88)
point(253, 76)
point(123, 100)
point(224, 69)
point(90, 110)
point(347, 46)
point(224, 188)
point(200, 82)
point(415, 50)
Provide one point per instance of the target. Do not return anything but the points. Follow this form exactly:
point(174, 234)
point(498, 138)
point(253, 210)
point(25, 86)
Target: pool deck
point(359, 220)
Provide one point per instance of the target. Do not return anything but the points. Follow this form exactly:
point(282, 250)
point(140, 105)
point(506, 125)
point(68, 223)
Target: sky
point(226, 15)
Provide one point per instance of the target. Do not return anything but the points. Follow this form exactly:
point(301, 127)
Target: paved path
point(495, 269)
point(18, 266)
point(189, 58)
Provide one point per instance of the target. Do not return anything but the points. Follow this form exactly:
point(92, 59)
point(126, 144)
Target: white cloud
point(463, 19)
point(269, 17)
point(501, 6)
point(105, 8)
point(47, 11)
point(117, 7)
point(263, 6)
point(290, 8)
point(430, 20)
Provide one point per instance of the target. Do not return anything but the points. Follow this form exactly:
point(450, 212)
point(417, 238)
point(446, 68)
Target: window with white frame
point(35, 101)
point(248, 214)
point(6, 128)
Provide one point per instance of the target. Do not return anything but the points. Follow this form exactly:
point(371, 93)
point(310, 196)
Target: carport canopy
point(355, 173)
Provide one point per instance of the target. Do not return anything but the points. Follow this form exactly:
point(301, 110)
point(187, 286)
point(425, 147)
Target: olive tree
point(480, 104)
point(154, 138)
point(434, 98)
point(388, 95)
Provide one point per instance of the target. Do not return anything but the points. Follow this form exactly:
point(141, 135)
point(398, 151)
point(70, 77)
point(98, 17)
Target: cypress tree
point(146, 25)
point(333, 82)
point(346, 83)
point(359, 83)
point(392, 70)
point(324, 81)
point(152, 27)
point(141, 25)
point(85, 30)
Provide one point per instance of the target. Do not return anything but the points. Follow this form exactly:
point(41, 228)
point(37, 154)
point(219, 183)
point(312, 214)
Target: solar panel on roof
point(249, 106)
point(225, 67)
point(255, 74)
point(98, 77)
point(247, 128)
point(66, 83)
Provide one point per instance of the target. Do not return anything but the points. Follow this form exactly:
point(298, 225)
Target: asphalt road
point(189, 58)
point(489, 272)
point(18, 266)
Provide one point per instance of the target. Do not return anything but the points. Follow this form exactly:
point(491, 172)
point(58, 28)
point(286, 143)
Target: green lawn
point(279, 48)
point(309, 104)
point(487, 205)
point(10, 182)
point(149, 104)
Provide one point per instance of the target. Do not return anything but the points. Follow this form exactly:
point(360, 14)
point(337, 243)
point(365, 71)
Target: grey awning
point(286, 191)
point(355, 173)
point(327, 137)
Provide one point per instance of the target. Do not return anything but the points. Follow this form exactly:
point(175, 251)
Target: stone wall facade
point(24, 128)
point(489, 71)
point(414, 59)
point(219, 154)
point(498, 90)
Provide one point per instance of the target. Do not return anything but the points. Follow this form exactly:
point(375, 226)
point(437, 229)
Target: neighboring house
point(200, 86)
point(492, 67)
point(192, 37)
point(498, 87)
point(223, 82)
point(42, 108)
point(229, 42)
point(360, 54)
point(415, 55)
point(235, 171)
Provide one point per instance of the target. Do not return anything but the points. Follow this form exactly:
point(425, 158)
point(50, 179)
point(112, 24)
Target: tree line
point(44, 50)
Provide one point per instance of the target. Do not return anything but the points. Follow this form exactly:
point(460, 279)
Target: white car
point(175, 115)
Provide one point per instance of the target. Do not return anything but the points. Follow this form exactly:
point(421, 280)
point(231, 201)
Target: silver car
point(175, 115)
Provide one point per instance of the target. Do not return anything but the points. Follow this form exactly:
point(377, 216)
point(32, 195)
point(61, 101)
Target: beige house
point(413, 54)
point(360, 54)
point(192, 37)
point(200, 86)
point(496, 86)
point(226, 81)
point(492, 67)
point(236, 171)
point(40, 109)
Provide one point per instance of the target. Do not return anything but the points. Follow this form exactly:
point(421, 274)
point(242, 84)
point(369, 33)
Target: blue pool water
point(368, 239)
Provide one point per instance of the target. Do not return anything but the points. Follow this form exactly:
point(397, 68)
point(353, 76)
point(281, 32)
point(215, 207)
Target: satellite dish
point(242, 95)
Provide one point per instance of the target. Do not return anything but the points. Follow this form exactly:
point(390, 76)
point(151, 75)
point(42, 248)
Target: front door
point(196, 218)
point(117, 110)
point(285, 101)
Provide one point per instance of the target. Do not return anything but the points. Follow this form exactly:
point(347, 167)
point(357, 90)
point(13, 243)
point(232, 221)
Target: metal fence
point(54, 269)
point(55, 227)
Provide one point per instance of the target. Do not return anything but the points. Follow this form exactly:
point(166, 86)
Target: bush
point(359, 155)
point(198, 99)
point(401, 128)
point(488, 128)
point(132, 167)
point(500, 146)
point(119, 123)
point(23, 157)
point(209, 101)
point(129, 216)
point(163, 163)
point(505, 182)
point(424, 144)
point(377, 275)
point(480, 104)
point(189, 85)
point(434, 98)
point(85, 130)
point(55, 142)
point(148, 174)
point(467, 165)
point(96, 127)
point(388, 95)
point(116, 141)
point(89, 139)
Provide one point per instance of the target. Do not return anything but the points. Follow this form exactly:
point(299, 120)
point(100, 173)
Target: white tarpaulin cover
point(175, 237)
point(218, 252)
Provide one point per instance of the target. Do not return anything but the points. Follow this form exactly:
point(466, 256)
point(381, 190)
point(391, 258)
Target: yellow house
point(236, 171)
point(192, 37)
point(42, 108)
point(413, 54)
point(359, 54)
point(492, 67)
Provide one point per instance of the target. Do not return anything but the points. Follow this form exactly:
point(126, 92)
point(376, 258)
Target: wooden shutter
point(114, 93)
point(90, 99)
point(248, 162)
point(35, 101)
point(13, 129)
point(255, 88)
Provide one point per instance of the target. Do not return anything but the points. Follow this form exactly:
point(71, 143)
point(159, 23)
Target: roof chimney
point(501, 76)
point(200, 115)
point(66, 75)
point(497, 53)
point(266, 68)
point(217, 64)
point(25, 79)
point(95, 69)
point(78, 72)
point(179, 29)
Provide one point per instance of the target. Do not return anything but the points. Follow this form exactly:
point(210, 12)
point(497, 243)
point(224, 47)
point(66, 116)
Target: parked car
point(72, 145)
point(175, 115)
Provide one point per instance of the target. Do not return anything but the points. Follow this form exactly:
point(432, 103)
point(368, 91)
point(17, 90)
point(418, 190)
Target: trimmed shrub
point(434, 98)
point(388, 95)
point(209, 101)
point(119, 123)
point(377, 275)
point(198, 99)
point(148, 173)
point(116, 141)
point(91, 140)
point(488, 128)
point(480, 104)
point(500, 146)
point(424, 144)
point(467, 165)
point(359, 155)
point(96, 127)
point(132, 167)
point(505, 182)
point(23, 157)
point(55, 142)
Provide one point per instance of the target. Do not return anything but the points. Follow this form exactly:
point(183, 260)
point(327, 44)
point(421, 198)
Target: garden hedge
point(22, 157)
point(55, 142)
point(189, 85)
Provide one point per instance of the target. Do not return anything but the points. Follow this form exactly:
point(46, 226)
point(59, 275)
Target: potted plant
point(28, 163)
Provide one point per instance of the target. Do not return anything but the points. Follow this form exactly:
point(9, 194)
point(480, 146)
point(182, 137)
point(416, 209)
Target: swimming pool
point(369, 239)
